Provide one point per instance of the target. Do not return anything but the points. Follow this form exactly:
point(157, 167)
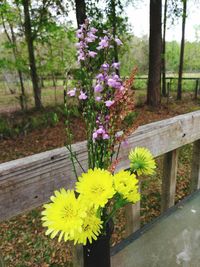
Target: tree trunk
point(80, 12)
point(180, 73)
point(164, 91)
point(114, 29)
point(16, 54)
point(12, 40)
point(32, 63)
point(155, 44)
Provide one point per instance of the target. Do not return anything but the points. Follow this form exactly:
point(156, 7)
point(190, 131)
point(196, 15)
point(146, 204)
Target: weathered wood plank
point(27, 183)
point(78, 256)
point(170, 165)
point(195, 173)
point(132, 215)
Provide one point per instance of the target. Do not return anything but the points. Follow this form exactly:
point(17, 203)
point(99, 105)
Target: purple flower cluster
point(104, 81)
point(107, 81)
point(82, 95)
point(85, 36)
point(101, 130)
point(100, 133)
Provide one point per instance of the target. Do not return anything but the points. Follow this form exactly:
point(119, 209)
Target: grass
point(52, 97)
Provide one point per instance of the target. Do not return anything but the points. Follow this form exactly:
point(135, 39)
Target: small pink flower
point(98, 98)
point(118, 41)
point(111, 82)
point(105, 66)
point(100, 131)
point(98, 88)
point(116, 65)
point(79, 34)
point(109, 103)
point(100, 77)
point(81, 56)
point(92, 54)
point(93, 30)
point(103, 43)
point(105, 136)
point(72, 92)
point(82, 96)
point(94, 135)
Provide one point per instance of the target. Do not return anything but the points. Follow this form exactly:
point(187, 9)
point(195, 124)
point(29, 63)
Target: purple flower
point(93, 30)
point(118, 41)
point(111, 82)
point(116, 65)
point(98, 98)
point(116, 77)
point(78, 45)
point(109, 103)
point(100, 130)
point(81, 56)
point(92, 54)
point(72, 92)
point(100, 77)
point(94, 135)
point(82, 96)
point(103, 43)
point(105, 136)
point(105, 66)
point(98, 88)
point(90, 37)
point(79, 33)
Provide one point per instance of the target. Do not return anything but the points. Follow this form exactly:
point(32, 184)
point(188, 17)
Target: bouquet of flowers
point(82, 215)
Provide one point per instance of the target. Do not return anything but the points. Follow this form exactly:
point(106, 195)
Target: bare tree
point(180, 73)
point(164, 91)
point(32, 62)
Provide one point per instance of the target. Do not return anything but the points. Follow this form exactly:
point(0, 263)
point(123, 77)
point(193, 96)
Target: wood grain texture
point(170, 165)
point(132, 215)
point(28, 182)
point(195, 174)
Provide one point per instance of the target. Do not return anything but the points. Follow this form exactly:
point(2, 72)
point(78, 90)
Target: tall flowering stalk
point(83, 214)
point(101, 93)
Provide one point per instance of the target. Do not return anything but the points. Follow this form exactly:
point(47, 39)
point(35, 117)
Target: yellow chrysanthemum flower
point(96, 186)
point(142, 161)
point(64, 215)
point(126, 185)
point(91, 228)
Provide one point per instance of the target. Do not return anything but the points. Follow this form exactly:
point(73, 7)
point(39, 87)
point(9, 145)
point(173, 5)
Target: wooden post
point(1, 261)
point(169, 179)
point(196, 89)
point(195, 174)
point(77, 255)
point(132, 214)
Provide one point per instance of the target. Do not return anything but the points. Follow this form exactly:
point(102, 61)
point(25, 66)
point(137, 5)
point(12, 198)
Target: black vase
point(97, 254)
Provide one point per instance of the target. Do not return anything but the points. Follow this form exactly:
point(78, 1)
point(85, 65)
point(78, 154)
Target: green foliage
point(130, 118)
point(10, 127)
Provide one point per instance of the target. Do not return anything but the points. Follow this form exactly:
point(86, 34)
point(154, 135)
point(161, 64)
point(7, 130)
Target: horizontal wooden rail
point(170, 78)
point(28, 182)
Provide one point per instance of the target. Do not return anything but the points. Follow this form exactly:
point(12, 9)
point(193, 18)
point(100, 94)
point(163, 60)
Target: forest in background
point(37, 42)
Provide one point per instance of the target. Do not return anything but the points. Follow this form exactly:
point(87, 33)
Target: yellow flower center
point(97, 189)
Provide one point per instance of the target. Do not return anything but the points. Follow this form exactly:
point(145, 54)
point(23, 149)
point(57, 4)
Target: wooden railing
point(28, 182)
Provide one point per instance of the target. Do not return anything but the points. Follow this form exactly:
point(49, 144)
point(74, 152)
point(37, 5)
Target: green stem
point(73, 154)
point(72, 160)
